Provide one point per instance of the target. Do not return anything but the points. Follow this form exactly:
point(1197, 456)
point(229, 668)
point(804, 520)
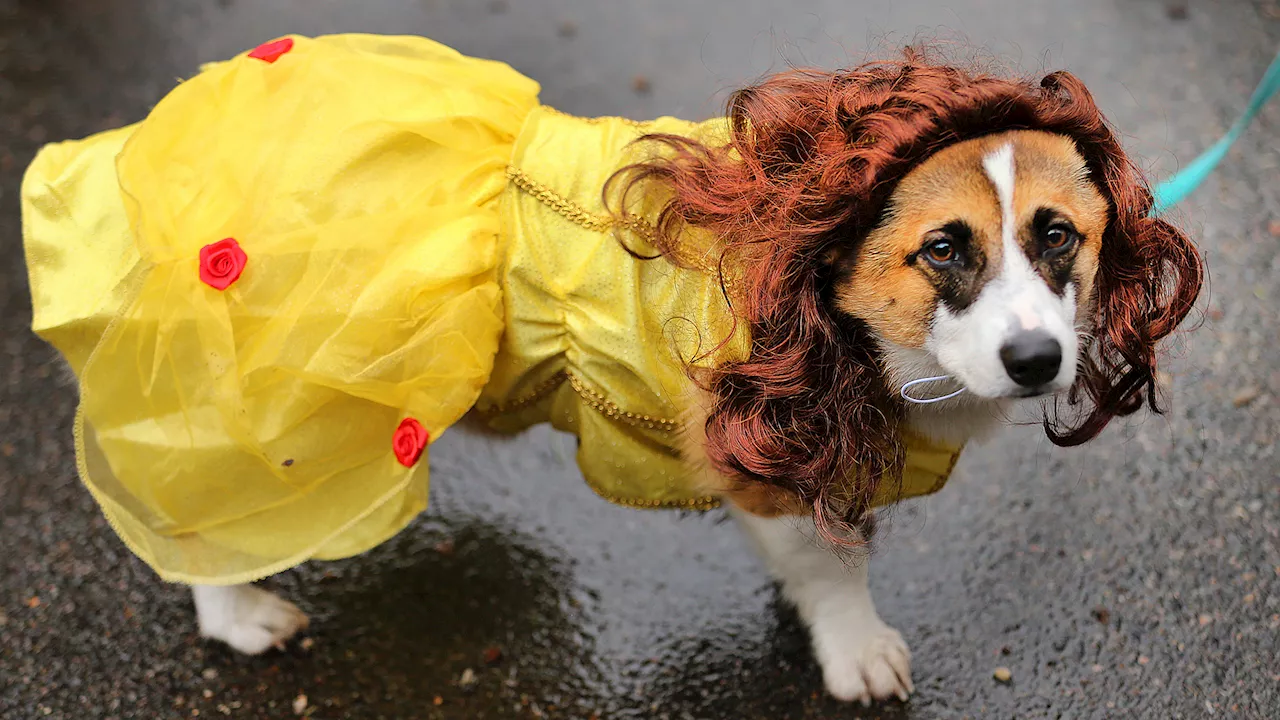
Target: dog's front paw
point(249, 619)
point(863, 661)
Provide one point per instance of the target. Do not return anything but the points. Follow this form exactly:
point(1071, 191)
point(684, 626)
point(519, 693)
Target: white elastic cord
point(926, 401)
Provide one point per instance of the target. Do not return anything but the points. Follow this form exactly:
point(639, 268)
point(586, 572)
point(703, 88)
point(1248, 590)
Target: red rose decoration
point(221, 263)
point(270, 52)
point(409, 441)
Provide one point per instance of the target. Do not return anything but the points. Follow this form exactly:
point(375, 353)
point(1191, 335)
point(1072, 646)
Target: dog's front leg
point(245, 617)
point(862, 658)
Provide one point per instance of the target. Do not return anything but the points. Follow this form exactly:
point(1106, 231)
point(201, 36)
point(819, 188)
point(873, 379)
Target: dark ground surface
point(1137, 577)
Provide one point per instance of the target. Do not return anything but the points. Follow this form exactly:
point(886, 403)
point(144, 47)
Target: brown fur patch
point(1049, 173)
point(766, 501)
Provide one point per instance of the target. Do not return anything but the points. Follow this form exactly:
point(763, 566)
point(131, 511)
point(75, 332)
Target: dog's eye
point(944, 247)
point(942, 253)
point(1058, 239)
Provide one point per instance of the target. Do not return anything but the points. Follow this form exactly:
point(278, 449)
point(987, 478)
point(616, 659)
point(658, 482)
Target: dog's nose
point(1032, 358)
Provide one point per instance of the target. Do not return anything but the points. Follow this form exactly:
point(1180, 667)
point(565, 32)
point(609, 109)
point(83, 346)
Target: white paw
point(867, 662)
point(249, 619)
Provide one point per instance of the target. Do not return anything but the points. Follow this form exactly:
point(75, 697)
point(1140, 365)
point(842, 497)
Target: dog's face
point(983, 267)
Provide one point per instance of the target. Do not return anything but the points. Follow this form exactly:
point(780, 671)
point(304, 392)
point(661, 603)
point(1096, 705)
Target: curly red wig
point(810, 161)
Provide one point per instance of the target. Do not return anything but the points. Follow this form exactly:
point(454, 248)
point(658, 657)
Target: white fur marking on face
point(999, 168)
point(967, 344)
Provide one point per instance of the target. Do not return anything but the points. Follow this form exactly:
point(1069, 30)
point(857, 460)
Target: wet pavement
point(1135, 577)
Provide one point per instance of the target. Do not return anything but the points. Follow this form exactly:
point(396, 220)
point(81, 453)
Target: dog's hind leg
point(245, 617)
point(862, 658)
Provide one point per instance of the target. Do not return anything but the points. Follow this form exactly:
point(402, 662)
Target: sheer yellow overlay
point(422, 238)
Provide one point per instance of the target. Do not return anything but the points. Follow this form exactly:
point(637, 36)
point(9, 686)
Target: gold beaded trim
point(595, 400)
point(612, 411)
point(571, 211)
point(700, 503)
point(580, 216)
point(951, 466)
point(598, 120)
point(539, 391)
point(602, 405)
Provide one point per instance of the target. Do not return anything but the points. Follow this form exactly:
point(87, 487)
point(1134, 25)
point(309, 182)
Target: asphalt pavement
point(1136, 577)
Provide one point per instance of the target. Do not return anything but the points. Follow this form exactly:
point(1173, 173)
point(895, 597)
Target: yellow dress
point(420, 237)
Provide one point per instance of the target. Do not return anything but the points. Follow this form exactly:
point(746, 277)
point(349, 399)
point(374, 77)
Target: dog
point(870, 266)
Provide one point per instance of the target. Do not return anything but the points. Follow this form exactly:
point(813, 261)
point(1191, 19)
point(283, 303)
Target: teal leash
point(1185, 181)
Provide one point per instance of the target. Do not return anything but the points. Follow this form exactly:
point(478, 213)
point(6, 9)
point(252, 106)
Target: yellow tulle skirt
point(232, 433)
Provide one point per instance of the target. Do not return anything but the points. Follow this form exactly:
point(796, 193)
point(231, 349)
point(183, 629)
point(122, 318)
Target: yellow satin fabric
point(595, 339)
point(422, 237)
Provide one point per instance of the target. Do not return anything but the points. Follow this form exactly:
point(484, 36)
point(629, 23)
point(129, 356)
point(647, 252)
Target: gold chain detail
point(569, 210)
point(707, 502)
point(595, 400)
point(602, 405)
point(598, 120)
point(951, 466)
point(539, 391)
point(598, 403)
point(580, 216)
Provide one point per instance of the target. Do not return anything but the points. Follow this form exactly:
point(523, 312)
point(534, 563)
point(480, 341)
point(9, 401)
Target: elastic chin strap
point(922, 381)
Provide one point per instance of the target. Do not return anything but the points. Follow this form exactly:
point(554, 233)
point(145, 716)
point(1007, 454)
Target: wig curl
point(811, 159)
